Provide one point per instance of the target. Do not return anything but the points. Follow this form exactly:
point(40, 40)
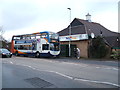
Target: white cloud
point(28, 16)
point(19, 15)
point(108, 20)
point(43, 26)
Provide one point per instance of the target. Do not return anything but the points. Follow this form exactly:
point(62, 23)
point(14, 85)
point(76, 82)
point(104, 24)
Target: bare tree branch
point(1, 33)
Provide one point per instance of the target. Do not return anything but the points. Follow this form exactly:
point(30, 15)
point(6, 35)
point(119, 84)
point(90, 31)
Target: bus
point(40, 44)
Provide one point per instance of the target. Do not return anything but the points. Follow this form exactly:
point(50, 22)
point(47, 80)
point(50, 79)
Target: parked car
point(5, 53)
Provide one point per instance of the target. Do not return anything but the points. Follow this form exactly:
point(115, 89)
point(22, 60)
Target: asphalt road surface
point(0, 74)
point(26, 72)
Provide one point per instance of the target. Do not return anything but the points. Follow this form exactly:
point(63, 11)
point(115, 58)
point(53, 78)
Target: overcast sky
point(29, 16)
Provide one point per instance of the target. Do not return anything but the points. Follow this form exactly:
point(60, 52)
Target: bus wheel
point(37, 54)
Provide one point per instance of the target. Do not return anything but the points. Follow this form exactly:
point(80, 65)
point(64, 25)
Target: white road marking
point(80, 64)
point(84, 65)
point(27, 66)
point(67, 76)
point(61, 74)
point(97, 67)
point(11, 62)
point(112, 69)
point(99, 82)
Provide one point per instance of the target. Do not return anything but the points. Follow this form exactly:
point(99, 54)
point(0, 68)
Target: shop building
point(82, 31)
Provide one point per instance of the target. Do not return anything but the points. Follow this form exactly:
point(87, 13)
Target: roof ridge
point(87, 21)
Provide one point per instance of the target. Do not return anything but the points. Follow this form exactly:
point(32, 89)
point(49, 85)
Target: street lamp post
point(69, 33)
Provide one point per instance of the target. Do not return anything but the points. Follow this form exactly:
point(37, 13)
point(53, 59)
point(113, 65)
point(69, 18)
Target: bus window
point(37, 37)
point(54, 46)
point(45, 47)
point(28, 38)
point(43, 35)
point(20, 47)
point(53, 36)
point(16, 38)
point(23, 47)
point(24, 37)
point(33, 37)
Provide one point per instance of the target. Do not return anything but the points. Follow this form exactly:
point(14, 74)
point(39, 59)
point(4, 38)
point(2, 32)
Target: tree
point(1, 36)
point(98, 48)
point(1, 33)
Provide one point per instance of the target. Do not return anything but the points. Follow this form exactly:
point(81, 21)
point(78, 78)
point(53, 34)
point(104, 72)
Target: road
point(26, 72)
point(0, 73)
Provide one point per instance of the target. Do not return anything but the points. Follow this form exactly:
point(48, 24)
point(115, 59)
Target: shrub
point(98, 48)
point(115, 55)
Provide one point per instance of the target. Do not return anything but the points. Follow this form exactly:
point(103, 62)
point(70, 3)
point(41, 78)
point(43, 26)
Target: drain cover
point(38, 83)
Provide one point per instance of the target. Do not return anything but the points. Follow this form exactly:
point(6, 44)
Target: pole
point(69, 33)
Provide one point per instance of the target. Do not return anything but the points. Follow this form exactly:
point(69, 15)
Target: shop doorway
point(65, 50)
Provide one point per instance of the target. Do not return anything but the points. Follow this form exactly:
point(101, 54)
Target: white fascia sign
point(74, 37)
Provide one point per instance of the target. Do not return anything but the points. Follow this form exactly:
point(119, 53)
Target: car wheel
point(10, 56)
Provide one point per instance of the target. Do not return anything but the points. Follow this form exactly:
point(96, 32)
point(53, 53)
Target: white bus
point(41, 44)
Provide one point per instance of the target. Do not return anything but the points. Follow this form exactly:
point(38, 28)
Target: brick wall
point(82, 45)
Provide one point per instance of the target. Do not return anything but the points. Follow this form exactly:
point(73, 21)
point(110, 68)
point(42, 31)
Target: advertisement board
point(74, 37)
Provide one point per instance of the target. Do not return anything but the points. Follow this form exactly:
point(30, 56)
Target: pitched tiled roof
point(74, 30)
point(79, 26)
point(97, 29)
point(112, 41)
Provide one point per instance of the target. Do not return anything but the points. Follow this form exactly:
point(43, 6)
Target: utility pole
point(69, 33)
